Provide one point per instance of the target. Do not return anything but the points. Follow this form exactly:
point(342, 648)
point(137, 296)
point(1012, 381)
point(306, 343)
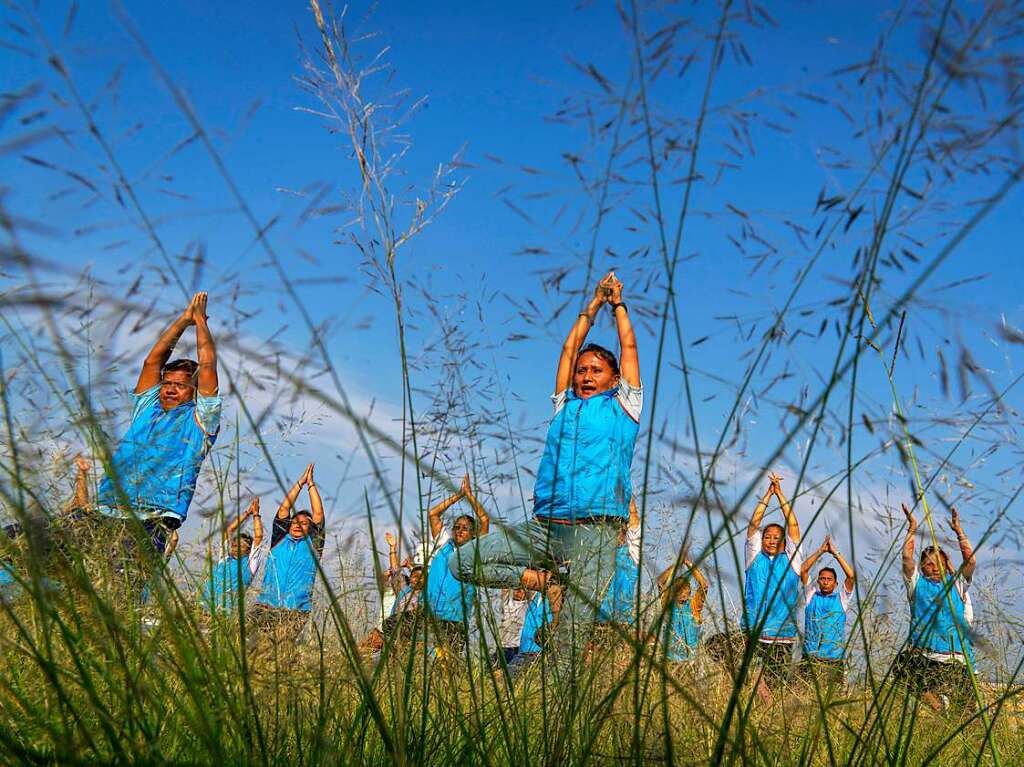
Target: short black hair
point(246, 537)
point(829, 570)
point(181, 364)
point(302, 514)
point(605, 354)
point(471, 520)
point(782, 530)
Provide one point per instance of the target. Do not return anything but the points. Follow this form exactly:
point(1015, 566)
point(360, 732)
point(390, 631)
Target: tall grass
point(87, 674)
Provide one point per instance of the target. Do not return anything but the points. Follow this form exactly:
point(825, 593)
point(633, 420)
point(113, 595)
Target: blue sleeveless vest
point(825, 626)
point(933, 627)
point(619, 604)
point(771, 589)
point(224, 583)
point(289, 575)
point(584, 471)
point(685, 633)
point(448, 598)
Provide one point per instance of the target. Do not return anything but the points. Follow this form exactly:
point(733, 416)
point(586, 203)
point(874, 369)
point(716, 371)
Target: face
point(931, 565)
point(771, 541)
point(462, 531)
point(239, 547)
point(592, 376)
point(519, 595)
point(299, 527)
point(826, 582)
point(683, 592)
point(416, 579)
point(175, 389)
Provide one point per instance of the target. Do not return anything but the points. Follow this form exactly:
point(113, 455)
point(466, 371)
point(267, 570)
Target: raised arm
point(285, 509)
point(232, 528)
point(483, 521)
point(805, 568)
point(851, 577)
point(629, 361)
point(205, 349)
point(257, 525)
point(434, 515)
point(909, 559)
point(316, 504)
point(81, 497)
point(161, 351)
point(634, 515)
point(394, 568)
point(762, 506)
point(700, 594)
point(584, 322)
point(966, 551)
point(792, 526)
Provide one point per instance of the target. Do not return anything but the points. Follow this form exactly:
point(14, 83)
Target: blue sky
point(494, 77)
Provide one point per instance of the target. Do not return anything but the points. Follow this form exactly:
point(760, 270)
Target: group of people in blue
point(568, 576)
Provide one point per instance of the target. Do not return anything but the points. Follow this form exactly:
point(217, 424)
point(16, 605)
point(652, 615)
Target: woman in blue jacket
point(583, 488)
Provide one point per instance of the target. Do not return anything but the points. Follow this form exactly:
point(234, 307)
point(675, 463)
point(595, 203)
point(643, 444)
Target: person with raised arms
point(450, 602)
point(683, 607)
point(240, 560)
point(771, 590)
point(618, 610)
point(175, 421)
point(825, 609)
point(935, 661)
point(296, 545)
point(399, 600)
point(583, 487)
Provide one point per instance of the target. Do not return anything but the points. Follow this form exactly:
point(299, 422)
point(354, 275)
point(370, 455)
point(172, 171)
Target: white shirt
point(630, 397)
point(513, 615)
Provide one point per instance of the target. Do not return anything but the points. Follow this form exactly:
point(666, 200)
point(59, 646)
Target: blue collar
point(571, 394)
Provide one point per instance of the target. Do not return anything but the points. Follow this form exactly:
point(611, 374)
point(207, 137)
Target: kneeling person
point(296, 545)
point(824, 647)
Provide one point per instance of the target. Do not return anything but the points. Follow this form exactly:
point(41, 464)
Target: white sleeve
point(809, 591)
point(795, 554)
point(844, 597)
point(633, 544)
point(558, 400)
point(911, 582)
point(753, 547)
point(961, 585)
point(439, 543)
point(632, 399)
point(256, 559)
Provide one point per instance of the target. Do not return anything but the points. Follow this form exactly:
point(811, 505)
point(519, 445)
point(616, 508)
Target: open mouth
point(587, 389)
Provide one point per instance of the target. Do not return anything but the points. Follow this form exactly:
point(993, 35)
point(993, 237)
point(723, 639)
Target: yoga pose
point(241, 557)
point(296, 545)
point(934, 663)
point(825, 610)
point(771, 589)
point(583, 488)
point(683, 607)
point(449, 601)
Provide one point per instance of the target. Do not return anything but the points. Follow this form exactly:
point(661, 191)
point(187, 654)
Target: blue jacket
point(584, 471)
point(684, 633)
point(933, 626)
point(825, 626)
point(771, 592)
point(537, 614)
point(619, 604)
point(157, 461)
point(448, 598)
point(290, 572)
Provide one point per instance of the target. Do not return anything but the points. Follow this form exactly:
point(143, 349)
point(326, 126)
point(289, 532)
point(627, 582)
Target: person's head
point(178, 383)
point(773, 539)
point(463, 528)
point(416, 577)
point(299, 525)
point(680, 591)
point(933, 561)
point(827, 580)
point(596, 371)
point(240, 545)
point(520, 595)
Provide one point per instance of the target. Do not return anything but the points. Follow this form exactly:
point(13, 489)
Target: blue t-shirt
point(448, 598)
point(156, 464)
point(537, 614)
point(684, 633)
point(825, 623)
point(290, 574)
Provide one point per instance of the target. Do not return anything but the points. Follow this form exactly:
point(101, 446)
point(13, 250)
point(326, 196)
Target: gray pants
point(498, 559)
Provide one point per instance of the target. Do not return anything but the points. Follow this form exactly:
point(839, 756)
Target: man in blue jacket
point(296, 545)
point(771, 590)
point(826, 606)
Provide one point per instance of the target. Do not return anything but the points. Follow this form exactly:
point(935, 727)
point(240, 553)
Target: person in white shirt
point(825, 610)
